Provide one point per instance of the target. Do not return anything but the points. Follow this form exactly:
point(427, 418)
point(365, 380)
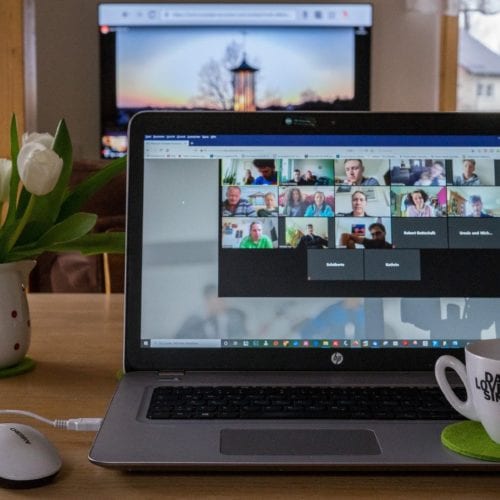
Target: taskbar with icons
point(305, 343)
point(343, 343)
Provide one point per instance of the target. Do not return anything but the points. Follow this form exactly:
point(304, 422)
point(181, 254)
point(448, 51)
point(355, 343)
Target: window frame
point(448, 63)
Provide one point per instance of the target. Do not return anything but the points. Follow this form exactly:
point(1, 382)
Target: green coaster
point(470, 439)
point(26, 365)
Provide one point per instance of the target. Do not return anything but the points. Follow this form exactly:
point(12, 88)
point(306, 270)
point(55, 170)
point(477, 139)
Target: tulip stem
point(11, 240)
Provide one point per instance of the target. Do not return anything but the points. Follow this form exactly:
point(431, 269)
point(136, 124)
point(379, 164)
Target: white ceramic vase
point(15, 327)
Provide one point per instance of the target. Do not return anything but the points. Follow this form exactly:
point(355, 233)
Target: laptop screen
point(286, 241)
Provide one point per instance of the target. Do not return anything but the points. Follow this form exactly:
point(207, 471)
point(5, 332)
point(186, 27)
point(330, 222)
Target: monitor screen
point(275, 239)
point(235, 57)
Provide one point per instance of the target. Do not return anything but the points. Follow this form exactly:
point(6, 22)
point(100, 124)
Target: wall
point(11, 64)
point(63, 66)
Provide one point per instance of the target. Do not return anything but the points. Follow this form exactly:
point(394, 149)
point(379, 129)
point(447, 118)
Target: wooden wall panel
point(448, 64)
point(11, 69)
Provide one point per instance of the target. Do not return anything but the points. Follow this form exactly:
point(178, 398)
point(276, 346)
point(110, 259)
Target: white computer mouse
point(27, 457)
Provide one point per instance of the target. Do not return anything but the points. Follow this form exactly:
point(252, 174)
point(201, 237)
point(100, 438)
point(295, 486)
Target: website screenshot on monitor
point(234, 57)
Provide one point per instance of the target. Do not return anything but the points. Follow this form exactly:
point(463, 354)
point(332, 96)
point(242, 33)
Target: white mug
point(482, 383)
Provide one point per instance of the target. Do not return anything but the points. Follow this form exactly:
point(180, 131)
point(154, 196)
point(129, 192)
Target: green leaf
point(90, 244)
point(86, 189)
point(94, 243)
point(23, 255)
point(14, 179)
point(9, 223)
point(8, 228)
point(70, 229)
point(63, 147)
point(22, 203)
point(3, 235)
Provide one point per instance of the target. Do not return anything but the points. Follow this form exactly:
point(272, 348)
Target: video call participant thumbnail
point(468, 176)
point(236, 206)
point(418, 173)
point(271, 208)
point(267, 171)
point(410, 201)
point(363, 201)
point(256, 239)
point(295, 228)
point(476, 204)
point(246, 172)
point(354, 171)
point(293, 203)
point(359, 202)
point(307, 172)
point(417, 206)
point(312, 240)
point(319, 207)
point(475, 172)
point(377, 238)
point(436, 175)
point(467, 201)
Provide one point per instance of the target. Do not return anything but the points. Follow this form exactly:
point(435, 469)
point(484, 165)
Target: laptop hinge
point(171, 375)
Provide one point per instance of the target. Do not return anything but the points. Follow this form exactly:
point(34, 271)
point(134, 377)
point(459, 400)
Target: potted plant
point(40, 213)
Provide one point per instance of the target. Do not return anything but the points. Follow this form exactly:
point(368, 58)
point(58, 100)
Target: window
point(478, 56)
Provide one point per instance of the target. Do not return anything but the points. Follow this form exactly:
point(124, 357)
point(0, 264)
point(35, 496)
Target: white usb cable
point(72, 424)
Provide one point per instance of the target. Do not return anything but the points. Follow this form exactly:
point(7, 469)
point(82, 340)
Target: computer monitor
point(237, 57)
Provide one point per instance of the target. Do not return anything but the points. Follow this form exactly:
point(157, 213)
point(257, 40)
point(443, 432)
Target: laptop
point(291, 279)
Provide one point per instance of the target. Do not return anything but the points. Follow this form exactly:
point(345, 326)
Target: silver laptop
point(291, 280)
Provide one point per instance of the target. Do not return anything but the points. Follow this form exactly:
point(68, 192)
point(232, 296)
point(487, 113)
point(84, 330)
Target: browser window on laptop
point(263, 234)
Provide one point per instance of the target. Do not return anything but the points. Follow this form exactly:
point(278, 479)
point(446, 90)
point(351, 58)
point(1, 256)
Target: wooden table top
point(76, 342)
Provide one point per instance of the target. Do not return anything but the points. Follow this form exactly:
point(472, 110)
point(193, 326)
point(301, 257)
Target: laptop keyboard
point(374, 403)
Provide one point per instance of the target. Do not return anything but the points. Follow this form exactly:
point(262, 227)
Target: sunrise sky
point(160, 68)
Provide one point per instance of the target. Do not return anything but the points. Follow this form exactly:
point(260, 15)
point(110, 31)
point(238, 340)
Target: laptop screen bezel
point(137, 358)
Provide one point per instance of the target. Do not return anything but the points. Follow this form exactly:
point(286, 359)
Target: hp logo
point(337, 358)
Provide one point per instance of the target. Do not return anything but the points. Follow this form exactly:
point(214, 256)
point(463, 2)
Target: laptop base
point(129, 441)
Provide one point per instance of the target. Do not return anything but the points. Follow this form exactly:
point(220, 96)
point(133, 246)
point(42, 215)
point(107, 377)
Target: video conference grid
point(418, 203)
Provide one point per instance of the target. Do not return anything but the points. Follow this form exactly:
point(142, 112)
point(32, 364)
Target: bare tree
point(215, 79)
point(214, 86)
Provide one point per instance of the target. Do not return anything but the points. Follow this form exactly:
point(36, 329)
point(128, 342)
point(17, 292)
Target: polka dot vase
point(15, 328)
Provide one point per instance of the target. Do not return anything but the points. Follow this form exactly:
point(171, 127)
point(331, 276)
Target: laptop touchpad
point(299, 442)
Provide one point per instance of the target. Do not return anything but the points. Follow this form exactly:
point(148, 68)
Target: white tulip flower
point(39, 167)
point(45, 139)
point(5, 173)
